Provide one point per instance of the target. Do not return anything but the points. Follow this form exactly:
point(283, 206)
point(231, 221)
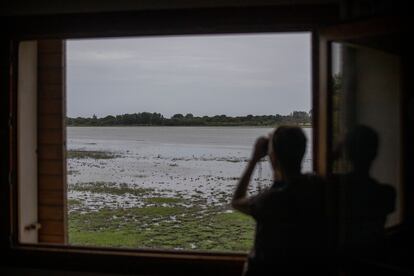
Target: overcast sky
point(203, 75)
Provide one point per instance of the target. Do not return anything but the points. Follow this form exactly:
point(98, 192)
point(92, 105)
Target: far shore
point(243, 126)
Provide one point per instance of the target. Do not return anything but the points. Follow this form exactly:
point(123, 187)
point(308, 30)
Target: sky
point(235, 75)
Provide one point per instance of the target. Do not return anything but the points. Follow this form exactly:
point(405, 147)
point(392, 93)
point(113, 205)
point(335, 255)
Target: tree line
point(157, 119)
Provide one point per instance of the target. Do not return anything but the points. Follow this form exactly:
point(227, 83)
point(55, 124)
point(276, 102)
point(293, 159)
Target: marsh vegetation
point(141, 187)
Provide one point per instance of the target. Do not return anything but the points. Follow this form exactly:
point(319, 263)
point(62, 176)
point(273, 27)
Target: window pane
point(366, 123)
point(160, 129)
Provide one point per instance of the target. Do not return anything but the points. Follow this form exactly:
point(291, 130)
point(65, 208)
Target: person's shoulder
point(277, 189)
point(264, 204)
point(272, 194)
point(263, 195)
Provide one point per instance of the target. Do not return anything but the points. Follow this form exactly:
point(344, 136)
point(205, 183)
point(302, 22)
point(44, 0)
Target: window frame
point(305, 18)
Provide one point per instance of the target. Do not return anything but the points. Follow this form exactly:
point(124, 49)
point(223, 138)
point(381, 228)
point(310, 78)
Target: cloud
point(232, 74)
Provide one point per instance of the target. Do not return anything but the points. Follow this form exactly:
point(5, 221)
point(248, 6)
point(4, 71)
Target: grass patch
point(109, 188)
point(161, 200)
point(152, 227)
point(171, 226)
point(74, 202)
point(83, 154)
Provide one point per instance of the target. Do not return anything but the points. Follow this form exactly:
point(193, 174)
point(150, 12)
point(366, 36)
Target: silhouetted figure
point(290, 217)
point(364, 202)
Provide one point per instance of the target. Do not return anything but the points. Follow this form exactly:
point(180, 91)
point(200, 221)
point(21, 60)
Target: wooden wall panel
point(52, 142)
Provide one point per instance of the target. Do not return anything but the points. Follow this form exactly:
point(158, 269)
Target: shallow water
point(184, 161)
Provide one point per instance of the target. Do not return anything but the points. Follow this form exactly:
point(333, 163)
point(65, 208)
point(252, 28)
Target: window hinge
point(33, 226)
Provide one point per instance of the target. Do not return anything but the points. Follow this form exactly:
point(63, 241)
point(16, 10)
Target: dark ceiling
point(22, 7)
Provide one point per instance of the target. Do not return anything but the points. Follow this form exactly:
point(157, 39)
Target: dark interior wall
point(354, 9)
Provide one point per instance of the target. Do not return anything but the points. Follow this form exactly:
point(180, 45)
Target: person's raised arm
point(240, 200)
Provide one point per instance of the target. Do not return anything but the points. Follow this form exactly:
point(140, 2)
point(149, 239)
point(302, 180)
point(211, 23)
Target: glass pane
point(366, 134)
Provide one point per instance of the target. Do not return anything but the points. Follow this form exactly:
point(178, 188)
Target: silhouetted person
point(289, 216)
point(364, 202)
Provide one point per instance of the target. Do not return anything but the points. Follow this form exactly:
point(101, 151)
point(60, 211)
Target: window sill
point(123, 261)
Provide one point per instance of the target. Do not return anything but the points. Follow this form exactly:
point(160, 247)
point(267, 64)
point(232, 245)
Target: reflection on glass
point(365, 95)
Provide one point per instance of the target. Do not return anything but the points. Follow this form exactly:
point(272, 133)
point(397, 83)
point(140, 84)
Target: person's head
point(287, 148)
point(361, 147)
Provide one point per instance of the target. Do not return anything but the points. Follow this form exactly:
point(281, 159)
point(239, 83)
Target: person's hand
point(260, 148)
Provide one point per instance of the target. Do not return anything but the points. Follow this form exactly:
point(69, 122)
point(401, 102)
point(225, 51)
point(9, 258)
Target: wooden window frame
point(305, 18)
